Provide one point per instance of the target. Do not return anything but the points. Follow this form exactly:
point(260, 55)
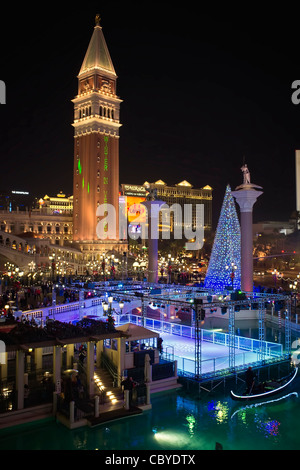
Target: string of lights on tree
point(224, 269)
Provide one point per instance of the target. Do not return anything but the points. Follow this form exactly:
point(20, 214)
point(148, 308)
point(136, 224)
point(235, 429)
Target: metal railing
point(111, 368)
point(215, 337)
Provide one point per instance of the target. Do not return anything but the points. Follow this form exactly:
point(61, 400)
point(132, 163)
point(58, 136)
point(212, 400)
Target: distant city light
point(20, 192)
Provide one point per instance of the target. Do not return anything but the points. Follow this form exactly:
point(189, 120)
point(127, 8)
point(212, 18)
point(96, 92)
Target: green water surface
point(177, 421)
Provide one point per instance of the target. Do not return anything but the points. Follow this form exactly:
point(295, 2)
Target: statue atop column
point(246, 174)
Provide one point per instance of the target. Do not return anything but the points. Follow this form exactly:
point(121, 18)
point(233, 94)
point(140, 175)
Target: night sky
point(202, 91)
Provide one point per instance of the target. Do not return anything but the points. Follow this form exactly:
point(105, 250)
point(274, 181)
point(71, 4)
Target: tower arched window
point(101, 111)
point(112, 114)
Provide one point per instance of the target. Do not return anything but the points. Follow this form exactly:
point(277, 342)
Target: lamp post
point(169, 269)
point(121, 305)
point(232, 274)
point(109, 313)
point(293, 288)
point(110, 301)
point(105, 308)
point(276, 275)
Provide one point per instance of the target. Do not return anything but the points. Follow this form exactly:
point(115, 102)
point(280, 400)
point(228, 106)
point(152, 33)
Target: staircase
point(110, 397)
point(164, 385)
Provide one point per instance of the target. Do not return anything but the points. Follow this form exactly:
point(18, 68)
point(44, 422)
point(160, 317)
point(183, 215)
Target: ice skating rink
point(214, 356)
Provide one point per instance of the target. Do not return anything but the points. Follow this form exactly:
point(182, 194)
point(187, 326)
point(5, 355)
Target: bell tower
point(96, 144)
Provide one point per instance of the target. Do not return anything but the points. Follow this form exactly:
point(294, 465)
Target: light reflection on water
point(177, 421)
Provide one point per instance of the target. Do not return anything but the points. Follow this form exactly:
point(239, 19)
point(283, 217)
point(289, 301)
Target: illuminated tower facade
point(96, 145)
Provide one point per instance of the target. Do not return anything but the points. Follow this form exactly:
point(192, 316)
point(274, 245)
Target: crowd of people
point(24, 298)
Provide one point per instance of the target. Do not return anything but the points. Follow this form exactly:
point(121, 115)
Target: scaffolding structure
point(198, 344)
point(199, 300)
point(231, 337)
point(288, 306)
point(261, 330)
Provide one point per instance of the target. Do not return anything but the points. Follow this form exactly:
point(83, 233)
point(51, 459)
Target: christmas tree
point(224, 269)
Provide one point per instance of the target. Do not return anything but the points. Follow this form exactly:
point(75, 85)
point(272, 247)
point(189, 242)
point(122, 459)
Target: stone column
point(3, 365)
point(99, 350)
point(90, 368)
point(96, 406)
point(20, 357)
point(57, 355)
point(246, 196)
point(38, 358)
point(70, 355)
point(153, 208)
point(120, 360)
